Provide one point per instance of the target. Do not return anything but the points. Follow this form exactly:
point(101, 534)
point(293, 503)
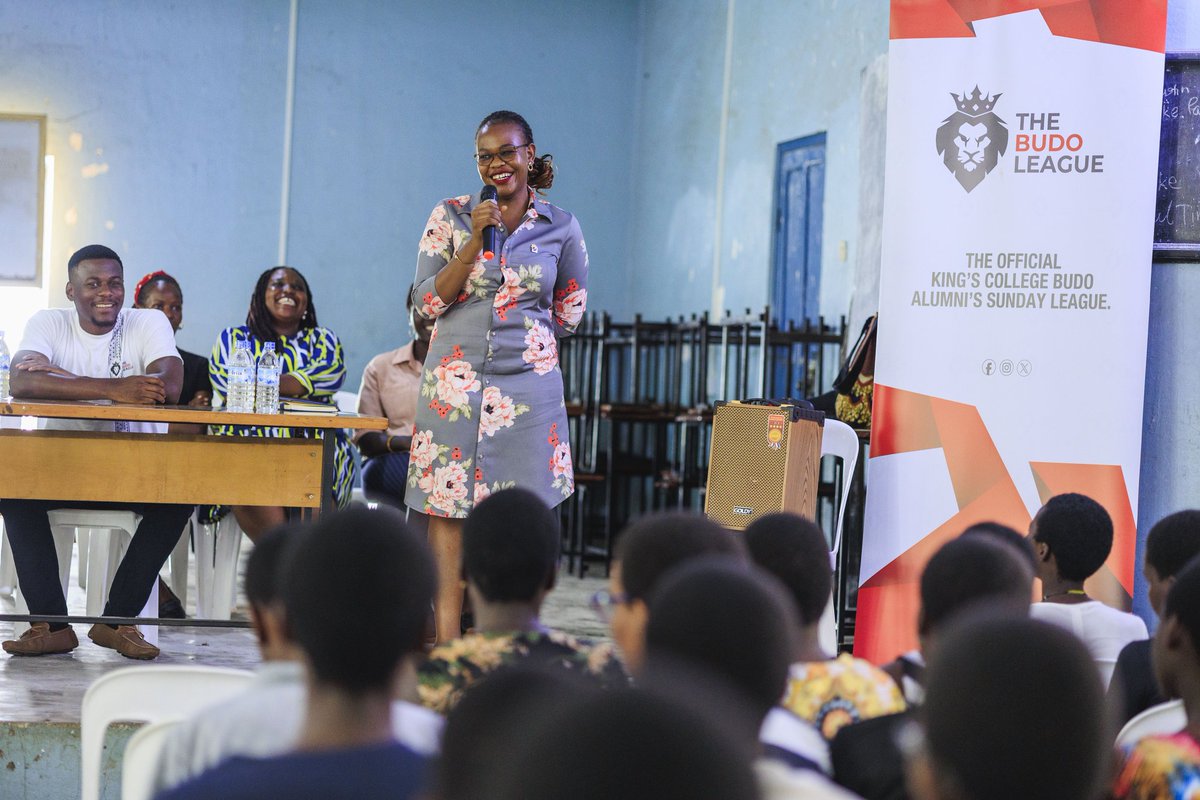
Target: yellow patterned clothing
point(1160, 768)
point(453, 667)
point(832, 694)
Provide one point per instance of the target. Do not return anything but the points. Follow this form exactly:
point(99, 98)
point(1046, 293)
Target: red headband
point(137, 290)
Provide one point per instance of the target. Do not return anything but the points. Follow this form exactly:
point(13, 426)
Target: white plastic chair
point(8, 570)
point(839, 440)
point(141, 759)
point(347, 402)
point(1106, 666)
point(108, 534)
point(1162, 719)
point(217, 549)
point(149, 693)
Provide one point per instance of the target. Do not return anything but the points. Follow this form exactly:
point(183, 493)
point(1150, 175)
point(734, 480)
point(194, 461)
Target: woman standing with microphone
point(491, 414)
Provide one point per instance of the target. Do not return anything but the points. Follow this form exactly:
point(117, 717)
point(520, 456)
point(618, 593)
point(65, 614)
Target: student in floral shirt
point(491, 414)
point(1168, 767)
point(510, 549)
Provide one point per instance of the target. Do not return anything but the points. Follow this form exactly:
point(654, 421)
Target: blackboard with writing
point(1177, 207)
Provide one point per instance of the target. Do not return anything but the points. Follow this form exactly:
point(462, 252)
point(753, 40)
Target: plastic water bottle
point(5, 365)
point(266, 392)
point(241, 380)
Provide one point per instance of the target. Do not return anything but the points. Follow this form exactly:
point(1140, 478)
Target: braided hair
point(541, 169)
point(149, 280)
point(258, 318)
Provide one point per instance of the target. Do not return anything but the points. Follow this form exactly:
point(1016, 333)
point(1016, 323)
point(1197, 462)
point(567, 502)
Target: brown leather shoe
point(39, 640)
point(126, 640)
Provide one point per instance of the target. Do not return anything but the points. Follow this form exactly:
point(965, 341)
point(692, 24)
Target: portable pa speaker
point(765, 458)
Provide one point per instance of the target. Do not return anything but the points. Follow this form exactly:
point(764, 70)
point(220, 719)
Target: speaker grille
point(749, 460)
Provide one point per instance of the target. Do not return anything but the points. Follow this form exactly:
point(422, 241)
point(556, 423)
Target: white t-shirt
point(1103, 629)
point(55, 333)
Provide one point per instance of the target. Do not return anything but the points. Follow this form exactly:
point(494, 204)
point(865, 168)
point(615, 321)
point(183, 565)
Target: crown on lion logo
point(975, 103)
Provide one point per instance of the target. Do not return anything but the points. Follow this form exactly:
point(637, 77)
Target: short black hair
point(1079, 533)
point(1183, 600)
point(970, 571)
point(477, 743)
point(264, 567)
point(1008, 536)
point(92, 252)
point(653, 544)
point(1173, 542)
point(510, 546)
point(1014, 708)
point(636, 745)
point(793, 549)
point(357, 590)
point(734, 620)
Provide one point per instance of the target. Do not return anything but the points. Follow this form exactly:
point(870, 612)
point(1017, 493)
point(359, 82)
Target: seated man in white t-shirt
point(94, 351)
point(1072, 536)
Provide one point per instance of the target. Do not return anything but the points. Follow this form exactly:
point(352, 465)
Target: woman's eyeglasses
point(505, 154)
point(603, 602)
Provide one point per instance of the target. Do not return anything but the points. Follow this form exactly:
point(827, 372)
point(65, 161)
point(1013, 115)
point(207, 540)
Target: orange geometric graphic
point(888, 602)
point(1130, 23)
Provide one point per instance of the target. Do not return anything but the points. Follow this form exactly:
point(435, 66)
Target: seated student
point(266, 718)
point(93, 351)
point(1072, 536)
point(908, 669)
point(1168, 767)
point(1013, 709)
point(633, 745)
point(825, 691)
point(1170, 545)
point(510, 559)
point(975, 570)
point(736, 623)
point(646, 550)
point(391, 387)
point(358, 616)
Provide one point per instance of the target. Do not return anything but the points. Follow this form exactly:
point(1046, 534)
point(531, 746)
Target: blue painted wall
point(1171, 428)
point(795, 69)
point(166, 121)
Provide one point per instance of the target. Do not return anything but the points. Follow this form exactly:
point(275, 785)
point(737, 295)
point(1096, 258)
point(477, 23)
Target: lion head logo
point(972, 139)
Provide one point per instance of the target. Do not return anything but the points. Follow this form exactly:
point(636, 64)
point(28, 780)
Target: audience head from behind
point(1072, 536)
point(794, 550)
point(477, 742)
point(1013, 708)
point(1171, 544)
point(1008, 536)
point(971, 572)
point(647, 550)
point(264, 576)
point(1176, 644)
point(635, 745)
point(729, 619)
point(510, 550)
point(357, 590)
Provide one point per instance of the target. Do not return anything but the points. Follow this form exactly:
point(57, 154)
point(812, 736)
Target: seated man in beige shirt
point(391, 387)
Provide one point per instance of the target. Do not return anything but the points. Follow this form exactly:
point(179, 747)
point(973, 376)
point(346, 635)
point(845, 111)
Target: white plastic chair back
point(346, 402)
point(141, 760)
point(839, 439)
point(1159, 720)
point(150, 693)
point(8, 571)
point(217, 550)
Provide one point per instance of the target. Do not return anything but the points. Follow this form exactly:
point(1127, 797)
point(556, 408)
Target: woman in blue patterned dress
point(491, 414)
point(282, 311)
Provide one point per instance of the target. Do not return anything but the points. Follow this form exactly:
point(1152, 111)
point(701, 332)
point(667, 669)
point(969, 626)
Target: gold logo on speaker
point(775, 426)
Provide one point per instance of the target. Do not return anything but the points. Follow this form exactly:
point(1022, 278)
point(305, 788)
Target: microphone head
point(488, 193)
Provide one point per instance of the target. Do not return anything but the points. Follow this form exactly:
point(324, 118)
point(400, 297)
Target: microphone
point(489, 233)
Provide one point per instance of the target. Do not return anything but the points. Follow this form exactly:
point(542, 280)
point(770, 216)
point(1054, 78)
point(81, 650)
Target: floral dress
point(314, 357)
point(491, 414)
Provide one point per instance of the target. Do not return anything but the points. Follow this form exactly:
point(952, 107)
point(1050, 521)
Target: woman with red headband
point(159, 290)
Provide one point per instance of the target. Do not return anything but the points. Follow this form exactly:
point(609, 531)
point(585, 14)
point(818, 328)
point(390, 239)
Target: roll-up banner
point(1022, 150)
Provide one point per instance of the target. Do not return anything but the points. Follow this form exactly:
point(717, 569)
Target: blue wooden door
point(799, 214)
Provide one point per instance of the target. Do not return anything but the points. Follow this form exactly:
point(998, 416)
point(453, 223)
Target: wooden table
point(192, 469)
